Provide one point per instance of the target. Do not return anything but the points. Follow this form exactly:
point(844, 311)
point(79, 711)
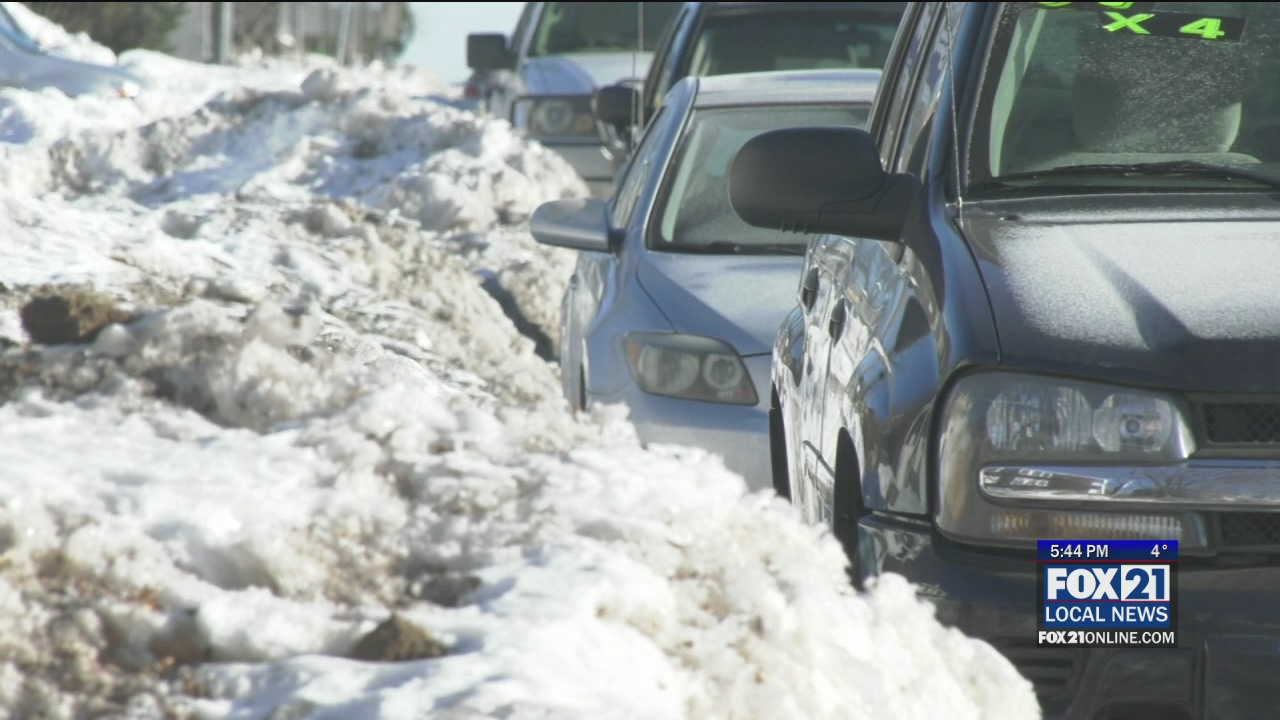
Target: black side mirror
point(488, 51)
point(617, 112)
point(617, 105)
point(819, 180)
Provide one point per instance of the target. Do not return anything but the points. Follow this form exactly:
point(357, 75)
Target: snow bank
point(56, 39)
point(270, 450)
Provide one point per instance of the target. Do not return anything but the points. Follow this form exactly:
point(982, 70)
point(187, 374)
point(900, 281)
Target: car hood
point(580, 74)
point(741, 299)
point(1181, 300)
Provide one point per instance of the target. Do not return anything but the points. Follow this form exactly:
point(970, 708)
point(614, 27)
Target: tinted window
point(585, 27)
point(896, 97)
point(927, 91)
point(695, 210)
point(1174, 82)
point(793, 41)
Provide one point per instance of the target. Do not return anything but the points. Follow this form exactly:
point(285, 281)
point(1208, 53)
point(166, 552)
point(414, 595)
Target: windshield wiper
point(1171, 168)
point(726, 247)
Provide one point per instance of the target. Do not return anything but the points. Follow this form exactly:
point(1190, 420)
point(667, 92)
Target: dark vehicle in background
point(26, 64)
point(1043, 305)
point(722, 38)
point(543, 76)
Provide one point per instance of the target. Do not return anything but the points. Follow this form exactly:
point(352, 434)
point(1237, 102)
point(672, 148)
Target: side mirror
point(819, 180)
point(617, 112)
point(617, 105)
point(580, 224)
point(488, 51)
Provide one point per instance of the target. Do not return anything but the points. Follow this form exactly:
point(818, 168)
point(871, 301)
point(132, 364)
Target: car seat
point(1122, 111)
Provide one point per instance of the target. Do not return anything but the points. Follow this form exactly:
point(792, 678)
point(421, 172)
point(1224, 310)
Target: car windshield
point(589, 27)
point(695, 214)
point(12, 32)
point(1089, 96)
point(761, 42)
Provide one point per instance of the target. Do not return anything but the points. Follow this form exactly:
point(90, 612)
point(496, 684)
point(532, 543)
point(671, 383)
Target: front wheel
point(847, 508)
point(778, 451)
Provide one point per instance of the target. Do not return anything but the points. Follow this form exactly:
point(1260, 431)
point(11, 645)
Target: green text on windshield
point(1151, 95)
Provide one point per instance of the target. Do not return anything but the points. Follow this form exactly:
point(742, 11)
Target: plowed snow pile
point(269, 449)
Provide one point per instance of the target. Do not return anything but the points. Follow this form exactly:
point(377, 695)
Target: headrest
point(1156, 95)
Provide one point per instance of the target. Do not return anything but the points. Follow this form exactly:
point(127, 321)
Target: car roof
point(787, 87)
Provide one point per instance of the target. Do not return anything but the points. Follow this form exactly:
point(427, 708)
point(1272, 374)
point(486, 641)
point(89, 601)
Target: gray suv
point(543, 76)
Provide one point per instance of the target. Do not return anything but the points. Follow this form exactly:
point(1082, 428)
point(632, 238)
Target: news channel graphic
point(1107, 593)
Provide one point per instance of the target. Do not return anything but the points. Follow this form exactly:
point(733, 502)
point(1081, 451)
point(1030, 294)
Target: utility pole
point(300, 25)
point(223, 26)
point(344, 33)
point(286, 34)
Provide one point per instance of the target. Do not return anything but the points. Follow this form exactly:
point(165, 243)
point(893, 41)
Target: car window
point(587, 27)
point(522, 27)
point(1176, 82)
point(642, 161)
point(899, 94)
point(770, 41)
point(672, 54)
point(662, 56)
point(923, 101)
point(694, 211)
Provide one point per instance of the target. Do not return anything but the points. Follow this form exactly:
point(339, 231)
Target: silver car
point(675, 301)
point(26, 64)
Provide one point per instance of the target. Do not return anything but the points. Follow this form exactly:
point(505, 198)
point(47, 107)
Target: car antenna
point(635, 60)
point(955, 112)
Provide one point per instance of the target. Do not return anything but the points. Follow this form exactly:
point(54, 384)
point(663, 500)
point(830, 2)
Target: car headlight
point(689, 367)
point(1024, 458)
point(555, 116)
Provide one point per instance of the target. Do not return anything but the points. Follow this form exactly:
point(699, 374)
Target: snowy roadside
point(271, 451)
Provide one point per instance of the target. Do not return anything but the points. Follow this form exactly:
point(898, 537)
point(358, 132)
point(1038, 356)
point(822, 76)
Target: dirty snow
point(310, 469)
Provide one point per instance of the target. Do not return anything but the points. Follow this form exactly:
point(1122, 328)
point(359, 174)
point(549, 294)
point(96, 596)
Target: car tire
point(778, 450)
point(846, 505)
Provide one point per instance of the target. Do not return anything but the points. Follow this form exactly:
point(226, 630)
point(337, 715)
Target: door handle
point(809, 289)
point(836, 326)
point(573, 280)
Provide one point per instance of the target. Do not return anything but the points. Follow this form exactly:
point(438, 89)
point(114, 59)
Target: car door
point(815, 302)
point(595, 277)
point(859, 272)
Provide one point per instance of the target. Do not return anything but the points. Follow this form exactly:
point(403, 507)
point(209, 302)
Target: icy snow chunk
point(324, 85)
point(254, 625)
point(113, 341)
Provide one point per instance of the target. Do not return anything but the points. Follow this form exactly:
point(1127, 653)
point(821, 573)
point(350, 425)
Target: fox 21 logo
point(1136, 583)
point(1115, 604)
